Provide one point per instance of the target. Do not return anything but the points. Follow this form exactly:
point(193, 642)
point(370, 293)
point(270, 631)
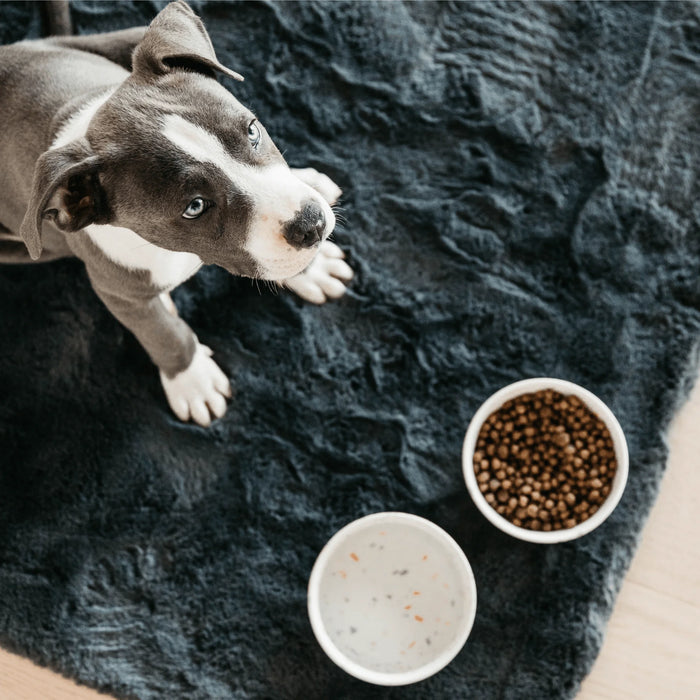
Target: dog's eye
point(254, 134)
point(195, 208)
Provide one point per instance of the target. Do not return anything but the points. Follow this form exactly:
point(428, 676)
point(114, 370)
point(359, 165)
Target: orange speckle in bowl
point(418, 618)
point(342, 574)
point(445, 585)
point(407, 607)
point(354, 556)
point(416, 592)
point(425, 556)
point(411, 645)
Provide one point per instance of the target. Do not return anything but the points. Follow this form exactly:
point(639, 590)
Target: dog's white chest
point(167, 268)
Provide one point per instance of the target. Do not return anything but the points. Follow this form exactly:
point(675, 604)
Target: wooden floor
point(652, 648)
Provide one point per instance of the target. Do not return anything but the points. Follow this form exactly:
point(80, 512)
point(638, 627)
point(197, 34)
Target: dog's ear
point(66, 189)
point(176, 38)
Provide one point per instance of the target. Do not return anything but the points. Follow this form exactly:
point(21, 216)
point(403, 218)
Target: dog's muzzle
point(308, 226)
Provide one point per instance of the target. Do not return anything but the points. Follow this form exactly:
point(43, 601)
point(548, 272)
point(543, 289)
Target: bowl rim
point(527, 386)
point(314, 609)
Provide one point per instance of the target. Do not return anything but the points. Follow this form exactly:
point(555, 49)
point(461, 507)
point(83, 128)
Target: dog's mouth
point(287, 265)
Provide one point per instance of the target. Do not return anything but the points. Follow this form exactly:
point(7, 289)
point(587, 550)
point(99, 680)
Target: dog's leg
point(328, 274)
point(194, 385)
point(115, 46)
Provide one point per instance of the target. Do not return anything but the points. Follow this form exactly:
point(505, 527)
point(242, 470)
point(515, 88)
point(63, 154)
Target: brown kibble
point(562, 439)
point(544, 461)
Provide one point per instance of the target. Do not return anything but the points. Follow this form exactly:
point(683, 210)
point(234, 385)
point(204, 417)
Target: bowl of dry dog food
point(545, 460)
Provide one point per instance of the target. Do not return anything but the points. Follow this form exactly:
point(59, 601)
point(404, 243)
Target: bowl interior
point(394, 595)
point(527, 386)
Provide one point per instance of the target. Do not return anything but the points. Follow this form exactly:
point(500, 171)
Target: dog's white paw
point(320, 182)
point(325, 278)
point(200, 391)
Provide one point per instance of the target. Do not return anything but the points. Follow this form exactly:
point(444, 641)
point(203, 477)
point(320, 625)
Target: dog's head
point(173, 156)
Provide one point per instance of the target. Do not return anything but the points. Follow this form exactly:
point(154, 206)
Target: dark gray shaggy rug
point(521, 194)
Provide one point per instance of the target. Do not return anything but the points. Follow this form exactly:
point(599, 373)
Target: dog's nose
point(307, 227)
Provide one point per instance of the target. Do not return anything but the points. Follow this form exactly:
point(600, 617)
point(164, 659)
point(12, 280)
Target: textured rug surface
point(521, 195)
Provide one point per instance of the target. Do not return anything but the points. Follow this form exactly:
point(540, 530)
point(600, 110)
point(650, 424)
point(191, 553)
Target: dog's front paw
point(320, 182)
point(200, 391)
point(325, 278)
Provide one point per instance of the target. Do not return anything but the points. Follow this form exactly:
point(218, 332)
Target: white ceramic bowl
point(391, 598)
point(528, 386)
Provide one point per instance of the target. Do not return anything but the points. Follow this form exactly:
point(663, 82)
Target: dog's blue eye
point(254, 134)
point(195, 208)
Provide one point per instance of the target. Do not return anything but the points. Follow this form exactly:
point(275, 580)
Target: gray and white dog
point(123, 150)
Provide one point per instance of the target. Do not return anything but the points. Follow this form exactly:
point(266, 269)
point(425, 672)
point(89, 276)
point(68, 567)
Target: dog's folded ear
point(66, 189)
point(176, 38)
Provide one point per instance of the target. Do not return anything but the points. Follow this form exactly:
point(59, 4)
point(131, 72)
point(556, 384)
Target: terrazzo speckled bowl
point(528, 386)
point(391, 598)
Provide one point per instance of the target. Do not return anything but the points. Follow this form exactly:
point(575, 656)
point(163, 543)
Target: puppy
point(123, 150)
